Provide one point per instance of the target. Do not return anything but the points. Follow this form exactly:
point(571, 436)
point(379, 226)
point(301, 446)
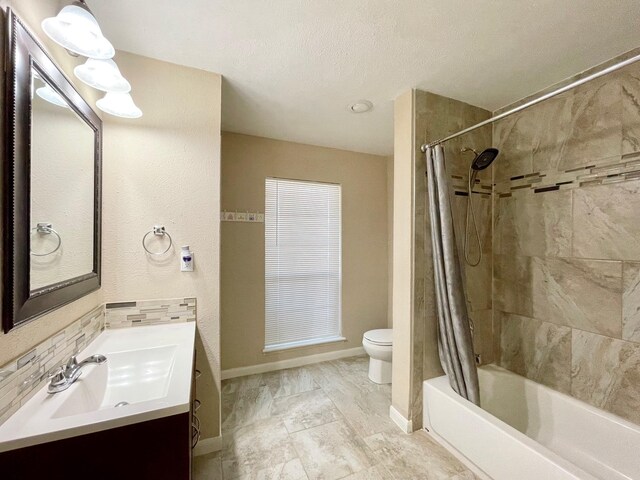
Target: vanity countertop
point(148, 367)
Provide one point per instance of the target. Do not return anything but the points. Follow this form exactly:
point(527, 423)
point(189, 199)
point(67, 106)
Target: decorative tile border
point(21, 378)
point(621, 168)
point(150, 312)
point(459, 186)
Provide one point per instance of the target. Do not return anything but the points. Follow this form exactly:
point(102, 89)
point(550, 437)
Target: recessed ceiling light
point(361, 106)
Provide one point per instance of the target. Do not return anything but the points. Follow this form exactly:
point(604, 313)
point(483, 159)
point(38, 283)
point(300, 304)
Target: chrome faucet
point(67, 375)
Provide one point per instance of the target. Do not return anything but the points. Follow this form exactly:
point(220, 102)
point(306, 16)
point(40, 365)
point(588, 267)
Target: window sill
point(301, 344)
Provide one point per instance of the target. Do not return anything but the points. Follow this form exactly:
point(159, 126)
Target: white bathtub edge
point(441, 390)
point(405, 425)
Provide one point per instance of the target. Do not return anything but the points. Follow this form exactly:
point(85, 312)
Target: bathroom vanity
point(130, 417)
point(129, 412)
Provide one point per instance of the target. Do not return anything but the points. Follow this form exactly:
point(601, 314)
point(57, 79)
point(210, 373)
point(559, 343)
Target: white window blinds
point(302, 263)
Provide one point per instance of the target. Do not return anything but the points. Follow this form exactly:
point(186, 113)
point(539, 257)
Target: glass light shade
point(50, 95)
point(103, 75)
point(77, 30)
point(119, 104)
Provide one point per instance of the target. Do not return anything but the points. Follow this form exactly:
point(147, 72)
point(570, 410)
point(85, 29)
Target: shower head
point(483, 159)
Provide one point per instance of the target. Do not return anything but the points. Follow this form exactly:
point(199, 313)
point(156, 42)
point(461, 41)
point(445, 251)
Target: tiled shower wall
point(566, 243)
point(437, 117)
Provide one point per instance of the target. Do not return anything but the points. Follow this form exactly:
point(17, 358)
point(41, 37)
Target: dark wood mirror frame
point(19, 303)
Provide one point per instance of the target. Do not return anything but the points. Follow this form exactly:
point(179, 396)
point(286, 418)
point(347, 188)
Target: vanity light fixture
point(50, 95)
point(102, 75)
point(76, 29)
point(119, 105)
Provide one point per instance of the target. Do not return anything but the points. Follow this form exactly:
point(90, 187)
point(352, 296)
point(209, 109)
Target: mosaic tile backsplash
point(149, 312)
point(21, 378)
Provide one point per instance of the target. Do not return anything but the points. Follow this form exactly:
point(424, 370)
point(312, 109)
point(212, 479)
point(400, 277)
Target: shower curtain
point(455, 344)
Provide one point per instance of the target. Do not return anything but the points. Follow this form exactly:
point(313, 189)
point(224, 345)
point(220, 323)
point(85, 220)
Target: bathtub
point(526, 431)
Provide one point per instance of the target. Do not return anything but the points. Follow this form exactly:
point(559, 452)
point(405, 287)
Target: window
point(303, 276)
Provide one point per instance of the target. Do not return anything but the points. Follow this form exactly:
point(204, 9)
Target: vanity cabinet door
point(153, 450)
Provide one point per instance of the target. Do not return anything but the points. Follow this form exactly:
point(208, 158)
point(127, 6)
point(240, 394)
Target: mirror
point(62, 206)
point(52, 224)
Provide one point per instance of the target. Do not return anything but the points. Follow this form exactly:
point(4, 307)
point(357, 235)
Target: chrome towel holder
point(45, 228)
point(159, 231)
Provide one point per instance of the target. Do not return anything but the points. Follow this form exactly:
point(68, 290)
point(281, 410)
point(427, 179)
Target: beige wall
point(567, 242)
point(246, 162)
point(164, 168)
point(390, 241)
point(402, 312)
point(21, 339)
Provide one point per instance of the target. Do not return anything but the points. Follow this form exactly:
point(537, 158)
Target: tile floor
point(324, 421)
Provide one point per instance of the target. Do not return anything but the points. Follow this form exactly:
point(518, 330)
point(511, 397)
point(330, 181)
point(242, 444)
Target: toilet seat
point(381, 336)
point(379, 346)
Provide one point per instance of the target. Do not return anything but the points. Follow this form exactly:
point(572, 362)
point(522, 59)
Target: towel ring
point(160, 231)
point(46, 229)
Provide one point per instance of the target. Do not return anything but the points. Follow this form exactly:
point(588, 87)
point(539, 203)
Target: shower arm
point(536, 100)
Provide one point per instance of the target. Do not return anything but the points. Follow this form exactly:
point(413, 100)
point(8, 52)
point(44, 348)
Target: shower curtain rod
point(535, 101)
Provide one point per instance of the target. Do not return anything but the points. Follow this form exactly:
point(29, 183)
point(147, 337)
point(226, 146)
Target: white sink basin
point(134, 376)
point(147, 374)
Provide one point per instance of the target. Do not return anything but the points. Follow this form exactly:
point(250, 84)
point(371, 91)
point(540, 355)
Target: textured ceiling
point(292, 67)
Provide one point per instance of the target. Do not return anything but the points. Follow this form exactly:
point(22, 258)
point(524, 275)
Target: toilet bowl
point(378, 345)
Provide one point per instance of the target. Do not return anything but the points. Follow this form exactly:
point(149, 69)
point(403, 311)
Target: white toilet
point(378, 344)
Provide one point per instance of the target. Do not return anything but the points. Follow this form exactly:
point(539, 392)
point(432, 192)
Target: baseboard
point(208, 445)
point(405, 425)
point(291, 363)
